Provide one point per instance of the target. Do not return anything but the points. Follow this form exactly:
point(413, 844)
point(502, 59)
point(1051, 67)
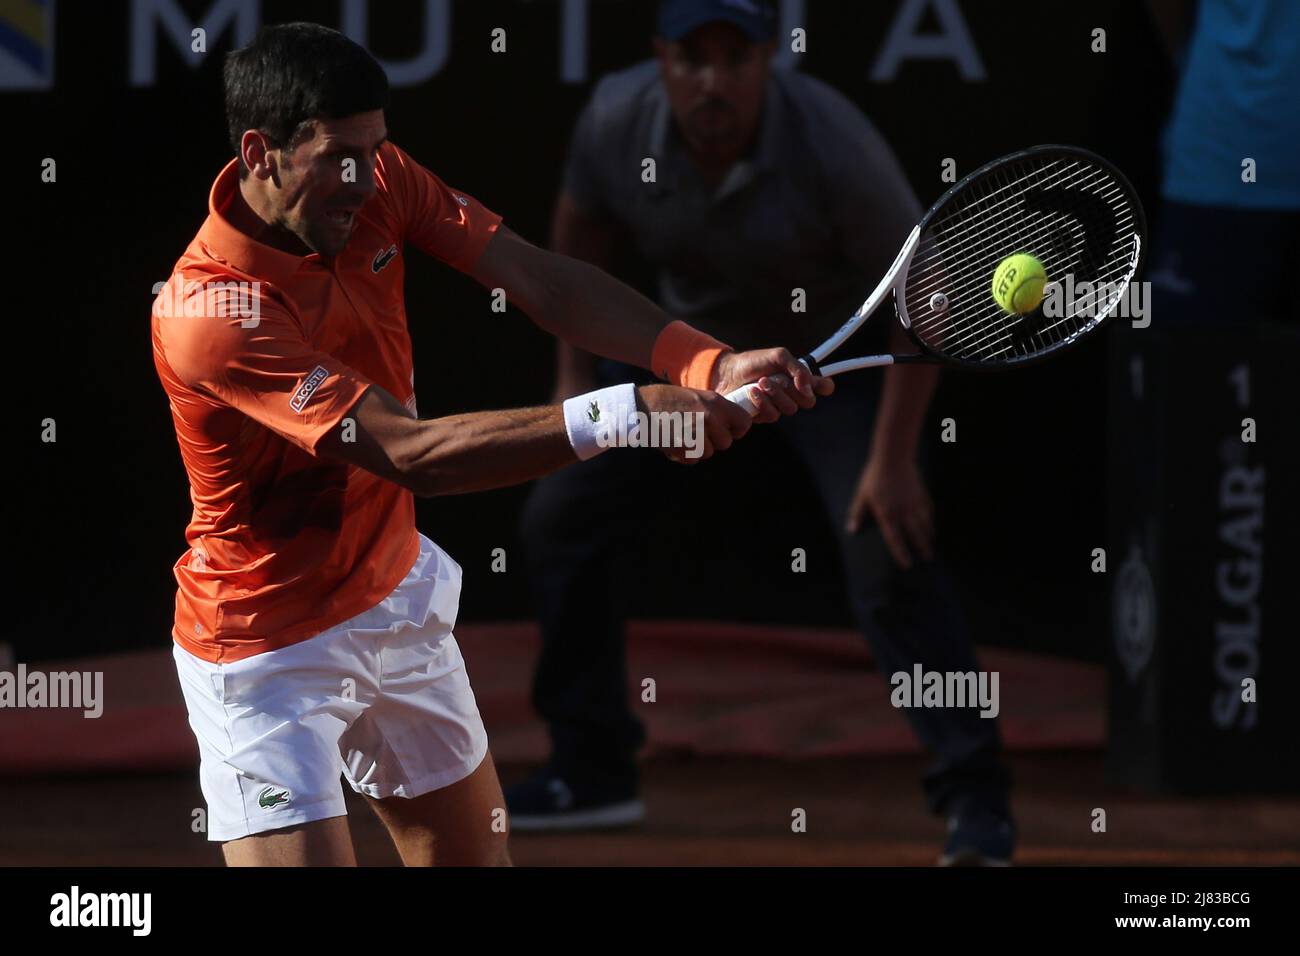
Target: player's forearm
point(592, 311)
point(904, 398)
point(444, 456)
point(587, 308)
point(479, 451)
point(483, 450)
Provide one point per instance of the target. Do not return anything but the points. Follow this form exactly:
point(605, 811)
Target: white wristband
point(593, 420)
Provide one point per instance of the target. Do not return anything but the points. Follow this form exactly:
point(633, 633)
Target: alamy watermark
point(75, 690)
point(1091, 300)
point(655, 430)
point(220, 300)
point(75, 908)
point(949, 689)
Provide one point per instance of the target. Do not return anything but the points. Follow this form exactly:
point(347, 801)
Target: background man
point(766, 182)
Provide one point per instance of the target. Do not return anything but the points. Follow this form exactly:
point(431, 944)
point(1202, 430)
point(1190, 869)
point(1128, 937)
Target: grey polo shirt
point(821, 204)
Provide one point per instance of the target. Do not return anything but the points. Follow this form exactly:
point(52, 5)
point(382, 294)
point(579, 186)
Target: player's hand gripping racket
point(1066, 207)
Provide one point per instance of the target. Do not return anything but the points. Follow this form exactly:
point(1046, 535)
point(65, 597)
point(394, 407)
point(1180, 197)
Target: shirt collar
point(237, 249)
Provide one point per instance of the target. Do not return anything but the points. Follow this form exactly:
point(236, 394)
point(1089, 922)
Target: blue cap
point(679, 17)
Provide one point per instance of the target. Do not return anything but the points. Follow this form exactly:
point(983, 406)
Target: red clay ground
point(714, 811)
point(749, 723)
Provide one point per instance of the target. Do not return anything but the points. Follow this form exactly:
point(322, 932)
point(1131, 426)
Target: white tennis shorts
point(382, 699)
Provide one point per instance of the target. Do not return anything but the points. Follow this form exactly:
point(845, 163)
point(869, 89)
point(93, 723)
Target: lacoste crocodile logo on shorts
point(271, 797)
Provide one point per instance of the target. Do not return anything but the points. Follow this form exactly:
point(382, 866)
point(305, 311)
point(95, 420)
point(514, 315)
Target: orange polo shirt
point(261, 353)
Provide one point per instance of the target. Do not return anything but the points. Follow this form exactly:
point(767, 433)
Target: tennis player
point(313, 630)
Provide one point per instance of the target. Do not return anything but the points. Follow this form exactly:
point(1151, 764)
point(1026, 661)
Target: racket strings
point(974, 326)
point(1072, 215)
point(1051, 227)
point(1011, 193)
point(980, 239)
point(980, 224)
point(979, 337)
point(1064, 235)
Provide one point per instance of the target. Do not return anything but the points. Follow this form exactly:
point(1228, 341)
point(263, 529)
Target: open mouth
point(342, 218)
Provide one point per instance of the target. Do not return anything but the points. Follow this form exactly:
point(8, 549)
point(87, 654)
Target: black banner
point(1203, 466)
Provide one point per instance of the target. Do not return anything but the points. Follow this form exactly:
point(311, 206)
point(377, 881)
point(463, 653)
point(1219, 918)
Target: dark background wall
point(95, 520)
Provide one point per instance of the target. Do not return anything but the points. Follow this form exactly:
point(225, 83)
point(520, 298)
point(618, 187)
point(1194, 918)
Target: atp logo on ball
point(1018, 283)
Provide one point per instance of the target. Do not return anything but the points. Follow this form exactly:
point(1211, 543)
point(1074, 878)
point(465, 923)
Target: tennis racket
point(1067, 207)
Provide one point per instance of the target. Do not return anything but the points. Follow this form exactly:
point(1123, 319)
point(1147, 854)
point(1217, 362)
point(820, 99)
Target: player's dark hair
point(294, 73)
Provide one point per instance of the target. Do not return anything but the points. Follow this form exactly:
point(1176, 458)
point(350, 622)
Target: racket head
point(1069, 208)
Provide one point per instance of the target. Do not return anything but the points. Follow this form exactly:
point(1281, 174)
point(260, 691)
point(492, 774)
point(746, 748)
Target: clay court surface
point(717, 811)
point(748, 724)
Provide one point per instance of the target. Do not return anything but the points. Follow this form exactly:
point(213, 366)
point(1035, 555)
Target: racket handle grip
point(742, 396)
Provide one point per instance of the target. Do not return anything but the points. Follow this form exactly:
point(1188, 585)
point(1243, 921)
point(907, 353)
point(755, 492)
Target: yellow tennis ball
point(1018, 283)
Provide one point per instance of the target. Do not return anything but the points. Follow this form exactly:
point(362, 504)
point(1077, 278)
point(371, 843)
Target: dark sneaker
point(978, 836)
point(549, 801)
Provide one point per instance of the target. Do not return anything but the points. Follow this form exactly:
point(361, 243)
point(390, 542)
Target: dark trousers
point(580, 523)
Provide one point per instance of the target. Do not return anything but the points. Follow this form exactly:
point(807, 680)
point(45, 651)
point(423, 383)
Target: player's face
point(320, 190)
point(716, 79)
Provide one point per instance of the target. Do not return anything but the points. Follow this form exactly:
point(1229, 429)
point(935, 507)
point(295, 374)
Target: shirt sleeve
point(582, 168)
point(262, 365)
point(440, 221)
